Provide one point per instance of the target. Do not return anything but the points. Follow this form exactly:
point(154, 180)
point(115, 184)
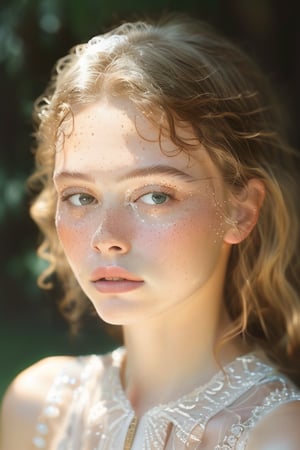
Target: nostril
point(115, 248)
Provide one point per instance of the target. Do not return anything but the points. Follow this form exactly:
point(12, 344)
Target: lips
point(113, 279)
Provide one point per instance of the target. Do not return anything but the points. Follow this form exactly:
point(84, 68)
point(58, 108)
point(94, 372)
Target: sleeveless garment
point(86, 409)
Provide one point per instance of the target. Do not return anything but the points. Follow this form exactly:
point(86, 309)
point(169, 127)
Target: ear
point(244, 211)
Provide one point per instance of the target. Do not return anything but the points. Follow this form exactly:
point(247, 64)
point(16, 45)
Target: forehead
point(113, 134)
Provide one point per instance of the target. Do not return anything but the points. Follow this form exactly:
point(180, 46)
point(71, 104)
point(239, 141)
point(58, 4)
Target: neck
point(168, 357)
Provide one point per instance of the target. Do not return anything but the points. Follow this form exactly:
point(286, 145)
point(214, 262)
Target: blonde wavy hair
point(184, 69)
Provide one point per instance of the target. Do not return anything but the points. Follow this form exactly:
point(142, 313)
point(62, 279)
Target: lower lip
point(117, 287)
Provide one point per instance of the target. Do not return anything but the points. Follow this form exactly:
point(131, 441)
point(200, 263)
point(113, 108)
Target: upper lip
point(113, 272)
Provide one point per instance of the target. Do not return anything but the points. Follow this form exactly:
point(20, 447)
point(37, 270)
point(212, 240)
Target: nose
point(112, 235)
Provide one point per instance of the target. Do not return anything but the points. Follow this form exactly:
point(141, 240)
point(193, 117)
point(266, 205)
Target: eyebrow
point(136, 173)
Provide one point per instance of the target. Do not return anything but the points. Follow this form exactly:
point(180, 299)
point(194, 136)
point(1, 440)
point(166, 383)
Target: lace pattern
point(87, 409)
point(239, 432)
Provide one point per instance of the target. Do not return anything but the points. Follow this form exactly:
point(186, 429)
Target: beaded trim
point(65, 389)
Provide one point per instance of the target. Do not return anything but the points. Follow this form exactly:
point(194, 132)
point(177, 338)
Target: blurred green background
point(33, 34)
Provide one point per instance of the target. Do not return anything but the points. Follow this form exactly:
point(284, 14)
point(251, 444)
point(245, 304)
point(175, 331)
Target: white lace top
point(86, 409)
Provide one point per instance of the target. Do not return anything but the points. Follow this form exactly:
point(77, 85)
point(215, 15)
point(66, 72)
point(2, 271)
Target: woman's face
point(142, 230)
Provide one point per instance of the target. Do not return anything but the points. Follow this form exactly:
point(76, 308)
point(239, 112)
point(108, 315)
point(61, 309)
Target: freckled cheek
point(73, 237)
point(185, 237)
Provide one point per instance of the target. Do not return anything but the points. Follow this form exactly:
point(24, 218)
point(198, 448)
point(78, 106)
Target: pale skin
point(168, 221)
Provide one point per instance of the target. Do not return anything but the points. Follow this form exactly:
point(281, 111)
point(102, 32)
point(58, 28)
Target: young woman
point(166, 197)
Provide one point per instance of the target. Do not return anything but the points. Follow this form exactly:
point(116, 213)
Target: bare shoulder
point(24, 399)
point(279, 430)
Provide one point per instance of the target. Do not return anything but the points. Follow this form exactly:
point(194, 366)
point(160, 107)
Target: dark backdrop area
point(33, 34)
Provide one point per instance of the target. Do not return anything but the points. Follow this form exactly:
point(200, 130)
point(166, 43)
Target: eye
point(155, 198)
point(80, 199)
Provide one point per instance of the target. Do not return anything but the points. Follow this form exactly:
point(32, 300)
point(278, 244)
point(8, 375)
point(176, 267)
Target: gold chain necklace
point(131, 433)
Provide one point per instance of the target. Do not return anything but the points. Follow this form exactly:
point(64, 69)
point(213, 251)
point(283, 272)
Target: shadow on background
point(33, 35)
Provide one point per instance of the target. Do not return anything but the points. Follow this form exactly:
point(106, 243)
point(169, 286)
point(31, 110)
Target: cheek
point(73, 236)
point(194, 234)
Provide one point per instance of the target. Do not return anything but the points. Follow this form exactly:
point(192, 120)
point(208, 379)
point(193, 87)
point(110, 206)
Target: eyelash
point(147, 190)
point(154, 190)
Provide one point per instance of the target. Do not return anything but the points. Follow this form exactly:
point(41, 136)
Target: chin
point(115, 312)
